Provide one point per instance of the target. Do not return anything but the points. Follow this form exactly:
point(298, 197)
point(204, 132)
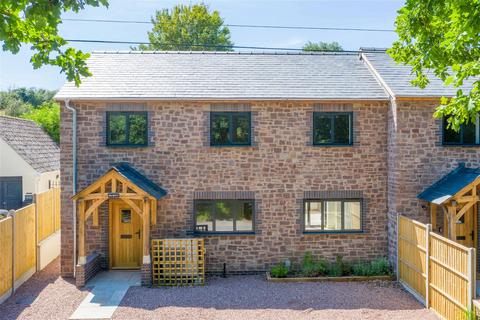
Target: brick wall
point(278, 169)
point(416, 159)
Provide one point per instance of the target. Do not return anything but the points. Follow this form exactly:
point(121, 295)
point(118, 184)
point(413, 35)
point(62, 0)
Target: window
point(333, 215)
point(126, 216)
point(468, 134)
point(225, 216)
point(332, 128)
point(127, 129)
point(230, 128)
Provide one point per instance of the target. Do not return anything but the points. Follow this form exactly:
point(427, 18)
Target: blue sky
point(16, 71)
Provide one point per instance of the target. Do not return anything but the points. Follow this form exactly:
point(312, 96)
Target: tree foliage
point(35, 23)
point(322, 46)
point(444, 37)
point(191, 27)
point(34, 104)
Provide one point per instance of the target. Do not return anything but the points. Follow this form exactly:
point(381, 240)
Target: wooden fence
point(436, 270)
point(178, 262)
point(20, 233)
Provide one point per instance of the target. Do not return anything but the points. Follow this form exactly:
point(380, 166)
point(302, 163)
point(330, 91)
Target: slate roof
point(139, 180)
point(225, 76)
point(450, 184)
point(398, 77)
point(32, 143)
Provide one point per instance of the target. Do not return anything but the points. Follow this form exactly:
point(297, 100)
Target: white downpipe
point(74, 179)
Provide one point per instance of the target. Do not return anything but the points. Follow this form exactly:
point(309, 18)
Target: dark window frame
point(230, 115)
point(233, 232)
point(332, 115)
point(323, 200)
point(461, 143)
point(127, 129)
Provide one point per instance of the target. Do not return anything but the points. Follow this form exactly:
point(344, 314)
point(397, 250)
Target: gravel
point(251, 297)
point(44, 296)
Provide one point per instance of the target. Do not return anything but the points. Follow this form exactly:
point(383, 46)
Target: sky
point(16, 70)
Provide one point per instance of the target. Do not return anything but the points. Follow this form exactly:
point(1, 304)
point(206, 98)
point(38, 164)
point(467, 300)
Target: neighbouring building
point(266, 156)
point(29, 162)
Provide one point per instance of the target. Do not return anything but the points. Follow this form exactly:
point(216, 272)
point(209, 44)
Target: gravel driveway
point(251, 297)
point(47, 296)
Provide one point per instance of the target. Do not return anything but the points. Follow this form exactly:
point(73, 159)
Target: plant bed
point(299, 278)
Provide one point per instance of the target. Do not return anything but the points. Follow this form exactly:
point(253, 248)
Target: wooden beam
point(95, 217)
point(468, 199)
point(154, 211)
point(105, 196)
point(114, 184)
point(464, 209)
point(452, 227)
point(94, 206)
point(433, 216)
point(81, 233)
point(146, 231)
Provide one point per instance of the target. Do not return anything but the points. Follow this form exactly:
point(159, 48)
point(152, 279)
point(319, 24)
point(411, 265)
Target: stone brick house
point(266, 156)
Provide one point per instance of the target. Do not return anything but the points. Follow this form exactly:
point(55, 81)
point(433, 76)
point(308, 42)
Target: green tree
point(322, 46)
point(191, 27)
point(442, 37)
point(12, 105)
point(35, 23)
point(48, 117)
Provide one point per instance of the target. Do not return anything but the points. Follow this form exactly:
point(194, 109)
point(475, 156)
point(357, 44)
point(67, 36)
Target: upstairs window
point(230, 128)
point(468, 134)
point(224, 216)
point(127, 129)
point(332, 128)
point(336, 215)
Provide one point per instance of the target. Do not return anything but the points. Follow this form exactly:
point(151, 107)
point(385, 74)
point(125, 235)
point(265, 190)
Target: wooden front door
point(466, 228)
point(126, 237)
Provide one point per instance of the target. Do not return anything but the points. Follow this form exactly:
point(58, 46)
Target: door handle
point(138, 233)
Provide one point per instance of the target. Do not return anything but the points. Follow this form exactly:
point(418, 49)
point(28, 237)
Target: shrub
point(378, 267)
point(312, 268)
point(339, 268)
point(279, 271)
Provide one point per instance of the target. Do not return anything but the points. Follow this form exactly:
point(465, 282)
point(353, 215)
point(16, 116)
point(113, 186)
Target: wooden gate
point(178, 262)
point(437, 271)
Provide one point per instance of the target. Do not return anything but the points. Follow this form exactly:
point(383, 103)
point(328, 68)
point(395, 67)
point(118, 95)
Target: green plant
point(312, 268)
point(378, 267)
point(279, 271)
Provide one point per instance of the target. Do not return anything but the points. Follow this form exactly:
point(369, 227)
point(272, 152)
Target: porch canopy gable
point(450, 185)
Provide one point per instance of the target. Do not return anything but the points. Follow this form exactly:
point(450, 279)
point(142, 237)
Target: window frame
point(233, 232)
point(127, 129)
point(230, 115)
point(332, 115)
point(323, 200)
point(461, 143)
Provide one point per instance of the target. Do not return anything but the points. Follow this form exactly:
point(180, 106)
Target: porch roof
point(449, 185)
point(147, 185)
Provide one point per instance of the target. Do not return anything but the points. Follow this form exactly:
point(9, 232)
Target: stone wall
point(278, 169)
point(416, 159)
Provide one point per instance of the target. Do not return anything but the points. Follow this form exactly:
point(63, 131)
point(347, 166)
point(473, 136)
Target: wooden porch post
point(433, 216)
point(452, 227)
point(81, 233)
point(146, 231)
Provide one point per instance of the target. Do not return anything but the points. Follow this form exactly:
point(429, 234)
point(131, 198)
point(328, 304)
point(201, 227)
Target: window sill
point(128, 146)
point(460, 145)
point(231, 145)
point(204, 234)
point(334, 232)
point(332, 145)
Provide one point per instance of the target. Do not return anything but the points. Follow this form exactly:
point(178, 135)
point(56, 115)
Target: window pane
point(245, 217)
point(333, 215)
point(126, 216)
point(220, 128)
point(449, 135)
point(137, 129)
point(322, 128)
point(469, 133)
point(223, 216)
point(203, 216)
point(342, 129)
point(241, 128)
point(352, 215)
point(117, 124)
point(313, 217)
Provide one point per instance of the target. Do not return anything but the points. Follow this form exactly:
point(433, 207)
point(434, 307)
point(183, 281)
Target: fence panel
point(449, 280)
point(46, 213)
point(56, 203)
point(412, 251)
point(435, 269)
point(178, 262)
point(6, 246)
point(25, 245)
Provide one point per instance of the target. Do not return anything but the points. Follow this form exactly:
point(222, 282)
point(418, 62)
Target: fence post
point(36, 231)
point(13, 215)
point(428, 229)
point(398, 249)
point(471, 278)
